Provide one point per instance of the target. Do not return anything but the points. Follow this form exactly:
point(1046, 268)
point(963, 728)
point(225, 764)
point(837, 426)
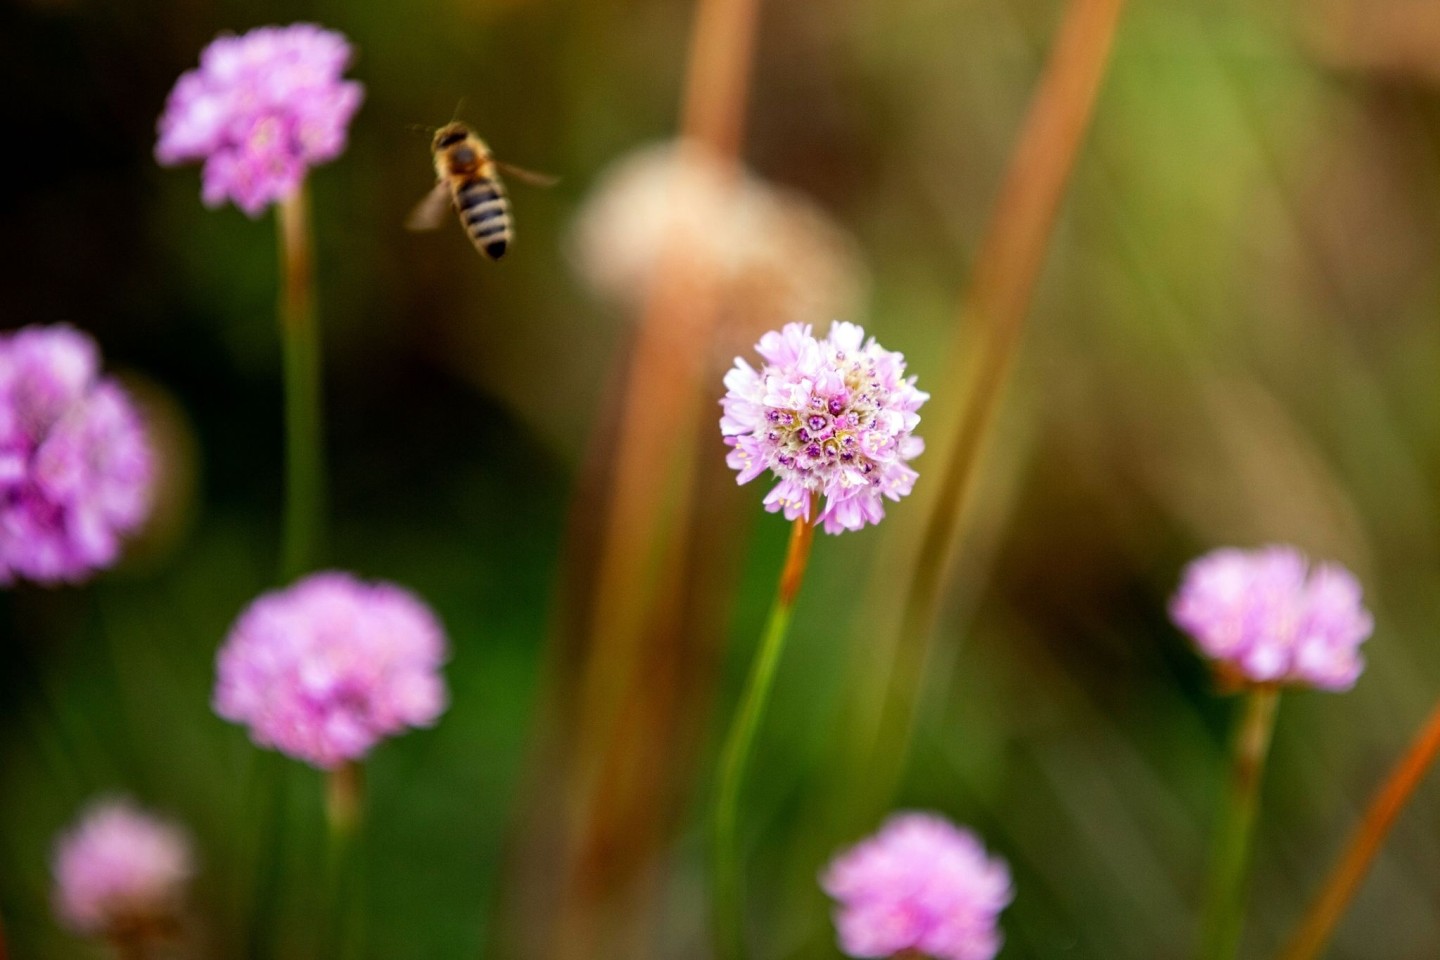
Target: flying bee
point(467, 175)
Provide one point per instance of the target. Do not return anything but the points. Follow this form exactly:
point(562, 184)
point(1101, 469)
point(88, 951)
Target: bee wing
point(428, 213)
point(527, 176)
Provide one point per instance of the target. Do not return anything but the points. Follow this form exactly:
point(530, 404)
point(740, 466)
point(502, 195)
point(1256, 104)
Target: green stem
point(1225, 907)
point(300, 345)
point(344, 800)
point(739, 743)
point(344, 805)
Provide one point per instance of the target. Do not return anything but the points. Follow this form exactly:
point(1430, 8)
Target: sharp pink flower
point(120, 871)
point(260, 111)
point(919, 885)
point(1262, 615)
point(327, 668)
point(829, 417)
point(76, 468)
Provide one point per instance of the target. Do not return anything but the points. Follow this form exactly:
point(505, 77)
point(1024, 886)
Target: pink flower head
point(328, 667)
point(1264, 618)
point(829, 417)
point(76, 468)
point(120, 871)
point(260, 111)
point(920, 884)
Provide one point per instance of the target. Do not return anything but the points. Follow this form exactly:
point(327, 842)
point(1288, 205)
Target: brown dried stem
point(998, 300)
point(648, 505)
point(648, 498)
point(1325, 912)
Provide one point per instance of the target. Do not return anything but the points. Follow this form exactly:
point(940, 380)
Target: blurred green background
point(1234, 341)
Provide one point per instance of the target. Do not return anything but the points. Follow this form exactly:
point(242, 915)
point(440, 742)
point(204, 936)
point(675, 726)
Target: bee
point(467, 175)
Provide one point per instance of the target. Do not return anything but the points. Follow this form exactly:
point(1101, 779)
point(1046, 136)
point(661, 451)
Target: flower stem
point(344, 800)
point(1225, 907)
point(344, 795)
point(729, 890)
point(300, 344)
point(1327, 909)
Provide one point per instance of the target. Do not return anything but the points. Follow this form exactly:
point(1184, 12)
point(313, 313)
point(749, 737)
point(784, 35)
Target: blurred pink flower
point(828, 417)
point(328, 667)
point(261, 110)
point(76, 468)
point(920, 885)
point(1260, 614)
point(120, 871)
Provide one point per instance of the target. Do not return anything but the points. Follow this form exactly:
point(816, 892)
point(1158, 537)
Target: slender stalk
point(300, 352)
point(1225, 906)
point(646, 526)
point(344, 802)
point(1325, 912)
point(344, 795)
point(729, 888)
point(997, 302)
point(717, 78)
point(648, 500)
point(300, 345)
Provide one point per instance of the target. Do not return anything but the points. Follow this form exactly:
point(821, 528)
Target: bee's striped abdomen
point(486, 215)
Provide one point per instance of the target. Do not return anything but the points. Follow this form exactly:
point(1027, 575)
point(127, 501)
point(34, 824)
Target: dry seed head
point(777, 257)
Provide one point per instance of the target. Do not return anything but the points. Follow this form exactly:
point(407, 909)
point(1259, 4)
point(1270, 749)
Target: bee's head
point(449, 135)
